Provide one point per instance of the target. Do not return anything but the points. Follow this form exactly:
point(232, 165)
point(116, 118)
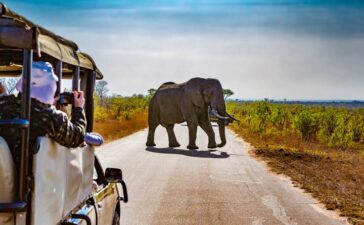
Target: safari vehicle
point(55, 185)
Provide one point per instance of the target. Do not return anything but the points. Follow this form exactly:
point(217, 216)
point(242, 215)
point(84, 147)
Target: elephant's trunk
point(232, 118)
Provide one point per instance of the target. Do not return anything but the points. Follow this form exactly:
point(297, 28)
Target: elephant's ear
point(194, 92)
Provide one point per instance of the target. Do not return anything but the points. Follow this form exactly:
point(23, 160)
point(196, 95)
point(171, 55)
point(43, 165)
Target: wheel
point(116, 220)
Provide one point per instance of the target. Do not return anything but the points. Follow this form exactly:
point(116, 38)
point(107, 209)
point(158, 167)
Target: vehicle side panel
point(63, 179)
point(107, 199)
point(7, 181)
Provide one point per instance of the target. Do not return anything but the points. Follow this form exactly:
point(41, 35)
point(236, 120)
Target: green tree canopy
point(227, 93)
point(151, 91)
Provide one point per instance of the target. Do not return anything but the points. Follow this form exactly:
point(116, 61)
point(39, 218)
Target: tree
point(151, 91)
point(9, 84)
point(227, 93)
point(101, 91)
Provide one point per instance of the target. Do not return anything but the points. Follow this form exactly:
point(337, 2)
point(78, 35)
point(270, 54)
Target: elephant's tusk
point(215, 113)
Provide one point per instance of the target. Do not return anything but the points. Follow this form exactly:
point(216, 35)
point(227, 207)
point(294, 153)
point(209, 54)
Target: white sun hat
point(43, 82)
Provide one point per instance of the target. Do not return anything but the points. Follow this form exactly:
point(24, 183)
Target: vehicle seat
point(7, 181)
point(62, 179)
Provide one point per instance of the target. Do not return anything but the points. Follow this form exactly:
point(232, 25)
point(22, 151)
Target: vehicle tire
point(116, 220)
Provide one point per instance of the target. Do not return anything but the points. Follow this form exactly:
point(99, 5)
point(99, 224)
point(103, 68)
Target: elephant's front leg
point(192, 130)
point(205, 124)
point(171, 136)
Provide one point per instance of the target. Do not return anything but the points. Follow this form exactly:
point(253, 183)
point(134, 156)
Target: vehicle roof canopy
point(17, 33)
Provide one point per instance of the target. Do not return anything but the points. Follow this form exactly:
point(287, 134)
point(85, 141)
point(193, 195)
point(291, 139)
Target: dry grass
point(334, 176)
point(115, 129)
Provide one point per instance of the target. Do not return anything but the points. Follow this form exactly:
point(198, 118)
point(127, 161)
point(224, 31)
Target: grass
point(329, 163)
point(333, 175)
point(113, 129)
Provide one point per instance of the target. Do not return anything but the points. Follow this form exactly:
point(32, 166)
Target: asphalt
point(222, 186)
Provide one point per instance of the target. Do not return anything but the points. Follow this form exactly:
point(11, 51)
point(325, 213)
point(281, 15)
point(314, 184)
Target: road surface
point(227, 186)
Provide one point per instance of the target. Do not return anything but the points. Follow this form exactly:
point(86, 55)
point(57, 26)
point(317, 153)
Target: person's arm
point(70, 133)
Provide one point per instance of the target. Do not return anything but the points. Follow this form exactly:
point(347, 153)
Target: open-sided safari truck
point(55, 185)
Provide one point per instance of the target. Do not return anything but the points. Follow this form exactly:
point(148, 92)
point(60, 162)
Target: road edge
point(320, 207)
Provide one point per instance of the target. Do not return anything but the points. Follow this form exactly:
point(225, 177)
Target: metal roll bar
point(25, 114)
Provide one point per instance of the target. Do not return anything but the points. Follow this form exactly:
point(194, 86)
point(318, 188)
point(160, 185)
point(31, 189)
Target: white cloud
point(253, 65)
point(258, 52)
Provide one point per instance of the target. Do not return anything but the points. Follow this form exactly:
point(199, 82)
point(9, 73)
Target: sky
point(277, 49)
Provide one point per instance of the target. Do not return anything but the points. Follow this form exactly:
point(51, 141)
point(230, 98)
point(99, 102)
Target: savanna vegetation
point(320, 148)
point(118, 116)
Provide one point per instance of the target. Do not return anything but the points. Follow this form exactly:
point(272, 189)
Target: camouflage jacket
point(45, 120)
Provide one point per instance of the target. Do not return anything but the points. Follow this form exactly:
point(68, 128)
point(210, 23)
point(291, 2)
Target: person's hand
point(59, 106)
point(2, 89)
point(79, 100)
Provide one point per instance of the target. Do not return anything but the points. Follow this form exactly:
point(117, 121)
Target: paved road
point(177, 186)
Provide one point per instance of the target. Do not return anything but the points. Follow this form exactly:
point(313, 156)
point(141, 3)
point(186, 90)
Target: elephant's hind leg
point(151, 131)
point(153, 121)
point(171, 136)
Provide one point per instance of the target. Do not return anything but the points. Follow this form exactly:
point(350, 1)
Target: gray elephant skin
point(176, 103)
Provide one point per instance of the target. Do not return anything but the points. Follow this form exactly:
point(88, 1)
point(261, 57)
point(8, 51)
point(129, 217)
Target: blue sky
point(305, 49)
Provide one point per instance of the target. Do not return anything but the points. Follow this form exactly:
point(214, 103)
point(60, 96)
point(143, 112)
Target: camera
point(66, 98)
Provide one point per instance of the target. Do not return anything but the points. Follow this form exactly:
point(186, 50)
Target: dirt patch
point(115, 129)
point(333, 176)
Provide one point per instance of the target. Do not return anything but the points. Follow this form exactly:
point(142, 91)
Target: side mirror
point(114, 175)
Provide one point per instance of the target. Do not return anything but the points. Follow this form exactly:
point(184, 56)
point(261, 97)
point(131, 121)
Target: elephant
point(176, 103)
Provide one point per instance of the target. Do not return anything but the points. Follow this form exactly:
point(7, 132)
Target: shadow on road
point(191, 153)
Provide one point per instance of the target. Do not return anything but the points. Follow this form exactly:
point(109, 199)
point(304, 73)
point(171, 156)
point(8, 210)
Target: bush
point(328, 123)
point(357, 127)
point(258, 116)
point(100, 114)
point(307, 124)
point(281, 117)
point(127, 115)
point(334, 127)
point(342, 136)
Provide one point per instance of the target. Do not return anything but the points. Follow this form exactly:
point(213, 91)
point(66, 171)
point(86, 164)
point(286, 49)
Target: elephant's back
point(171, 85)
point(168, 85)
point(168, 100)
point(168, 92)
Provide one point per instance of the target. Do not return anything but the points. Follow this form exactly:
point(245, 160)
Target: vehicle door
point(106, 197)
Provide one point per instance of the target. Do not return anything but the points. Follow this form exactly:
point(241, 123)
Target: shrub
point(127, 115)
point(333, 127)
point(258, 117)
point(280, 117)
point(100, 114)
point(306, 123)
point(328, 123)
point(357, 126)
point(342, 135)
